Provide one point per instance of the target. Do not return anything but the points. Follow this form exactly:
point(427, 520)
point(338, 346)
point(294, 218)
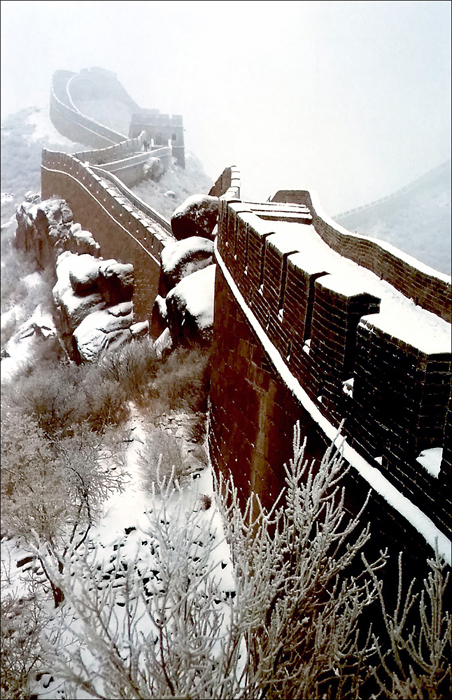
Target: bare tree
point(52, 489)
point(415, 660)
point(288, 627)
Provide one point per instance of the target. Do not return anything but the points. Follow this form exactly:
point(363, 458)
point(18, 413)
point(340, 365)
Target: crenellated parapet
point(228, 184)
point(70, 122)
point(428, 288)
point(126, 228)
point(161, 129)
point(351, 328)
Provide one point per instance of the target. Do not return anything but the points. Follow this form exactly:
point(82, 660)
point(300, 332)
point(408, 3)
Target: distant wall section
point(162, 129)
point(125, 228)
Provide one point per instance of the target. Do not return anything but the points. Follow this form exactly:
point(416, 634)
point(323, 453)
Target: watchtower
point(161, 128)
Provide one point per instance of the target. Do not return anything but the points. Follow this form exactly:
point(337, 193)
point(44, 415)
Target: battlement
point(227, 186)
point(360, 349)
point(68, 88)
point(161, 129)
point(71, 123)
point(125, 227)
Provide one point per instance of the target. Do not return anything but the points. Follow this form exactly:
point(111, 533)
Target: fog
point(351, 99)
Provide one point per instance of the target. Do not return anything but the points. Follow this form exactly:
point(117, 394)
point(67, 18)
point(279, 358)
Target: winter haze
point(351, 99)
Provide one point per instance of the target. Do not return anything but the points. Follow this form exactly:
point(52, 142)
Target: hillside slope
point(417, 222)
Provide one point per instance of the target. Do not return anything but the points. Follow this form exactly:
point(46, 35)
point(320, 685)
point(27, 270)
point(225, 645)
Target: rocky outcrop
point(181, 259)
point(189, 308)
point(115, 281)
point(183, 308)
point(46, 229)
point(103, 329)
point(94, 305)
point(197, 216)
point(153, 169)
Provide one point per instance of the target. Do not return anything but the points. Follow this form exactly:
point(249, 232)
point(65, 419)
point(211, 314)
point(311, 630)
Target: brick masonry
point(251, 430)
point(123, 231)
point(323, 330)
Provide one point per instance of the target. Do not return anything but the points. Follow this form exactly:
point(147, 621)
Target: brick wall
point(326, 330)
point(228, 184)
point(71, 123)
point(251, 431)
point(163, 128)
point(429, 289)
point(123, 231)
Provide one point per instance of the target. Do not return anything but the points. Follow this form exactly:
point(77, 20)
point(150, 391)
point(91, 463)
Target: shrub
point(160, 459)
point(288, 629)
point(132, 366)
point(22, 623)
point(181, 382)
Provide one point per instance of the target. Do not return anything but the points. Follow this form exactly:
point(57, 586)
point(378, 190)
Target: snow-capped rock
point(21, 348)
point(153, 168)
point(83, 274)
point(197, 216)
point(115, 281)
point(182, 258)
point(108, 328)
point(45, 228)
point(190, 307)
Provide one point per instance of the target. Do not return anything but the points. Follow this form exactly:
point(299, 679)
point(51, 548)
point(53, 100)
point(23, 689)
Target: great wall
point(312, 323)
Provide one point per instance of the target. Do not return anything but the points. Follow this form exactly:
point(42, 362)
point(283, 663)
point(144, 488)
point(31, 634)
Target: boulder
point(190, 308)
point(102, 330)
point(84, 274)
point(116, 281)
point(83, 241)
point(45, 229)
point(163, 343)
point(182, 258)
point(197, 216)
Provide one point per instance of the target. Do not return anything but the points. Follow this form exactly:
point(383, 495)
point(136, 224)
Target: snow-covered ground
point(43, 128)
point(125, 527)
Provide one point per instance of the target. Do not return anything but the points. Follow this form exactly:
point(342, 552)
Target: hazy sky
point(351, 99)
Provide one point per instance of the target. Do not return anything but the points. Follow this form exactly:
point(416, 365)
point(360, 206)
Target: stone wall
point(71, 123)
point(126, 228)
point(315, 322)
point(346, 218)
point(162, 128)
point(251, 430)
point(227, 185)
point(428, 288)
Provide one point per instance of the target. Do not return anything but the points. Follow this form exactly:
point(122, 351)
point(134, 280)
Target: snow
point(399, 316)
point(383, 244)
point(431, 460)
point(419, 520)
point(33, 280)
point(6, 197)
point(123, 530)
point(173, 253)
point(22, 346)
point(348, 386)
point(44, 128)
point(84, 267)
point(195, 200)
point(197, 293)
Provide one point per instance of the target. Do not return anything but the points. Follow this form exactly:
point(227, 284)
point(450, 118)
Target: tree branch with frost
point(417, 662)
